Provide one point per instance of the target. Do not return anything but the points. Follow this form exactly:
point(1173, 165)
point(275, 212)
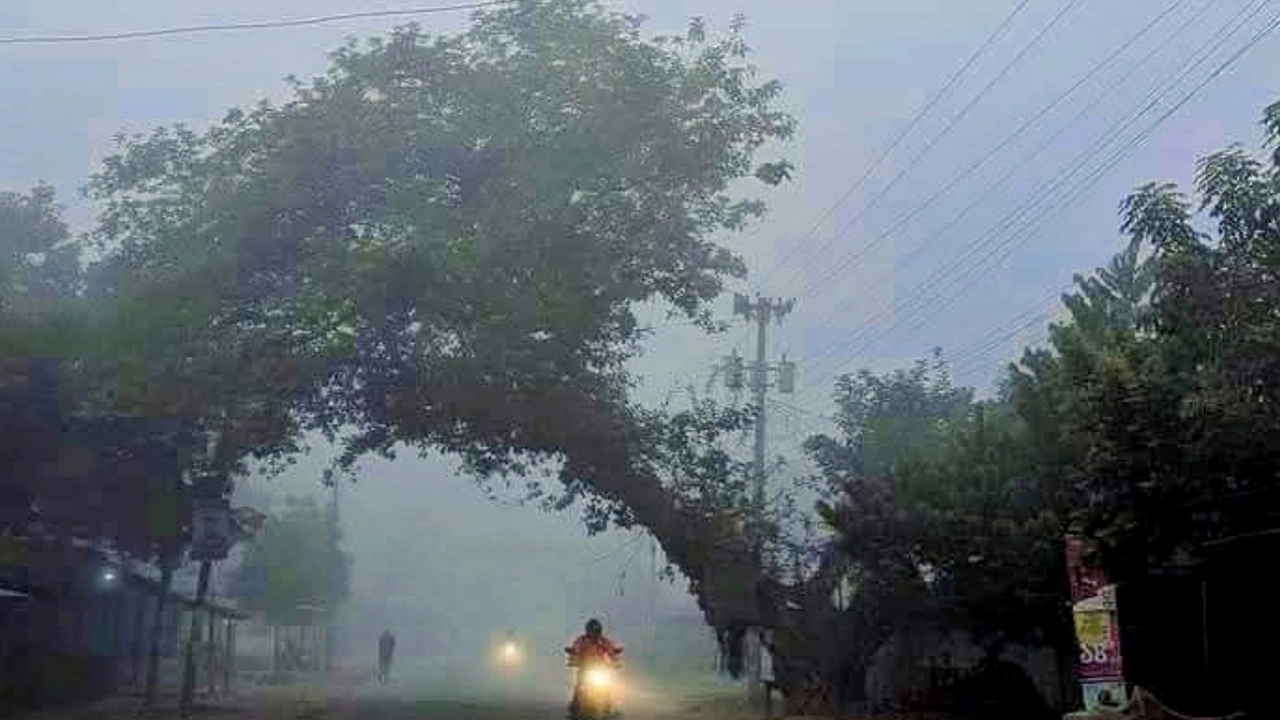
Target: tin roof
point(46, 566)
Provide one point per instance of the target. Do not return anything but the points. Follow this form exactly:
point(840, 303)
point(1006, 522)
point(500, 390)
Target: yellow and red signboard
point(1099, 638)
point(1100, 670)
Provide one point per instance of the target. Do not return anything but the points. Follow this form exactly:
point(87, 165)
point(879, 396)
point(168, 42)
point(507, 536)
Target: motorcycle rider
point(591, 645)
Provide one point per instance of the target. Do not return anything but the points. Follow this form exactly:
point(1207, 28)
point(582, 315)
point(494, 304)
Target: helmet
point(594, 628)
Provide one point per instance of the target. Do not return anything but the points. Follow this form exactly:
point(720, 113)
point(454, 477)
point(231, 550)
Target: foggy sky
point(855, 71)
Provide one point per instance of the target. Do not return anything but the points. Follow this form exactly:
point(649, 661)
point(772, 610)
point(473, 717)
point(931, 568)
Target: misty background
point(430, 552)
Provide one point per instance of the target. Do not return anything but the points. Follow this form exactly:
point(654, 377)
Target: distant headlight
point(509, 654)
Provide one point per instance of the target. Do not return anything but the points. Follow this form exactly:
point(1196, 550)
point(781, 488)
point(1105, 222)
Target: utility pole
point(759, 311)
point(654, 590)
point(333, 563)
point(212, 537)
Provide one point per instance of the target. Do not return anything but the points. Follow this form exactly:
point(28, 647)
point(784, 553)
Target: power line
point(1081, 160)
point(631, 558)
point(929, 105)
point(622, 572)
point(1013, 169)
point(241, 26)
point(1022, 235)
point(1008, 330)
point(976, 358)
point(964, 111)
point(804, 411)
point(911, 214)
point(1078, 191)
point(977, 363)
point(616, 550)
point(798, 422)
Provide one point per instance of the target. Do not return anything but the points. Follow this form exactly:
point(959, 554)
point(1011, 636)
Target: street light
point(108, 577)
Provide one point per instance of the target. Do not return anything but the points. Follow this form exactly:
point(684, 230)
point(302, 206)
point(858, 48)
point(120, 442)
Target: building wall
point(68, 648)
point(905, 667)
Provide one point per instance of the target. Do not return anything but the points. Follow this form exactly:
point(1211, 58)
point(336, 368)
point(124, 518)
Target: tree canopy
point(939, 516)
point(1159, 395)
point(439, 244)
point(79, 473)
point(479, 211)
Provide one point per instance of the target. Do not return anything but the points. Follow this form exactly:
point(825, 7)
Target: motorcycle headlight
point(598, 677)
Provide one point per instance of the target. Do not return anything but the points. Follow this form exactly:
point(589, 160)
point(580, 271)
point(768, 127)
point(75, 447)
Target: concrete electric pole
point(759, 311)
point(333, 562)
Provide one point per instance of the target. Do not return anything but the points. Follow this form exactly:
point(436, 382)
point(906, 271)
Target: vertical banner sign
point(1100, 670)
point(212, 531)
point(1086, 581)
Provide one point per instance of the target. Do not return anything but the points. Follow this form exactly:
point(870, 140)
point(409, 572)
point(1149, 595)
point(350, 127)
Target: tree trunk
point(228, 656)
point(168, 564)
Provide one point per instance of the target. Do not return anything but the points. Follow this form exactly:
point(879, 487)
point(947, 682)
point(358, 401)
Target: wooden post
point(229, 654)
point(211, 657)
point(80, 646)
point(1204, 621)
point(189, 667)
point(117, 619)
point(142, 604)
point(158, 628)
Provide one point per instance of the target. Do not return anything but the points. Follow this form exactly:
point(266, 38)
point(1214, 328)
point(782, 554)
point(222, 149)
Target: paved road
point(452, 690)
point(438, 690)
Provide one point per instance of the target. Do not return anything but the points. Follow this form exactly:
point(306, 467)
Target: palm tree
point(1110, 304)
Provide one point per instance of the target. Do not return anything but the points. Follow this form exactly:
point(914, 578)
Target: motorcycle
point(595, 688)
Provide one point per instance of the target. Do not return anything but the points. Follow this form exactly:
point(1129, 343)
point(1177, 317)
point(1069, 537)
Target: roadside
point(436, 691)
point(722, 699)
point(701, 696)
point(310, 696)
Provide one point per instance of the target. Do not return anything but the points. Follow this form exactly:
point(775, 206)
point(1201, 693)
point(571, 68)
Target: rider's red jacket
point(587, 648)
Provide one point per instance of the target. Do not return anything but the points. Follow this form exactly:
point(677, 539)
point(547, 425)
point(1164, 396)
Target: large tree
point(293, 561)
point(38, 273)
point(293, 565)
point(72, 461)
point(1157, 402)
point(941, 521)
point(440, 243)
